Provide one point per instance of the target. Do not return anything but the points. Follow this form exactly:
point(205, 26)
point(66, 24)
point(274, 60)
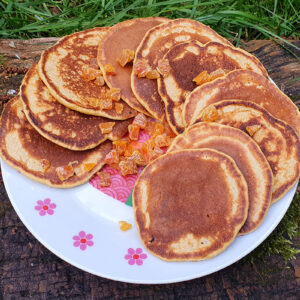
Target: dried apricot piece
point(158, 129)
point(153, 74)
point(89, 167)
point(150, 127)
point(112, 157)
point(141, 68)
point(114, 94)
point(202, 78)
point(64, 172)
point(155, 153)
point(124, 226)
point(140, 120)
point(120, 146)
point(109, 69)
point(104, 178)
point(99, 81)
point(126, 56)
point(105, 103)
point(107, 127)
point(89, 73)
point(133, 131)
point(119, 108)
point(164, 67)
point(129, 150)
point(210, 114)
point(139, 158)
point(45, 164)
point(128, 166)
point(162, 140)
point(136, 145)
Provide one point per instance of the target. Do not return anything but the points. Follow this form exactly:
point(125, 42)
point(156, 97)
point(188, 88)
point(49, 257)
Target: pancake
point(189, 205)
point(246, 154)
point(242, 85)
point(23, 148)
point(61, 66)
point(276, 139)
point(187, 60)
point(153, 47)
point(124, 35)
point(59, 124)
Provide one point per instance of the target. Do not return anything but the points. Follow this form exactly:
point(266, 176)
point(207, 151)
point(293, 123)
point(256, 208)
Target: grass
point(239, 19)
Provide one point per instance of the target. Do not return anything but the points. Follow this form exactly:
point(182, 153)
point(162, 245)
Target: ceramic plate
point(80, 225)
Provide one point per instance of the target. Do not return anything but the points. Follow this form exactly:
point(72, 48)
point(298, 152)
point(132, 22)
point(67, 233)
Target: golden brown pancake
point(124, 35)
point(276, 139)
point(26, 150)
point(189, 205)
point(243, 85)
point(61, 66)
point(246, 154)
point(187, 60)
point(153, 47)
point(59, 124)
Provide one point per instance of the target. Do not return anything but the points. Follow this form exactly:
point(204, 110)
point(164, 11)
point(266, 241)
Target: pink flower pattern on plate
point(82, 240)
point(45, 207)
point(135, 256)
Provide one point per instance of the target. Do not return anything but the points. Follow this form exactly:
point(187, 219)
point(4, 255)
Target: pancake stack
point(224, 140)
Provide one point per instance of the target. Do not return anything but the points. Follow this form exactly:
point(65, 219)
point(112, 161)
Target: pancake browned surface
point(124, 35)
point(26, 150)
point(246, 154)
point(187, 60)
point(242, 85)
point(277, 140)
point(153, 47)
point(59, 124)
point(190, 204)
point(61, 66)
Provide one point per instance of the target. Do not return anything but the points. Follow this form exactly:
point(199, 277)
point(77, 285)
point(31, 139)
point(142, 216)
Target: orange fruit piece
point(105, 103)
point(126, 56)
point(99, 81)
point(124, 226)
point(104, 178)
point(128, 166)
point(155, 153)
point(139, 158)
point(120, 146)
point(133, 131)
point(162, 140)
point(114, 94)
point(164, 67)
point(141, 68)
point(210, 114)
point(112, 157)
point(107, 127)
point(45, 164)
point(140, 120)
point(89, 73)
point(153, 74)
point(64, 172)
point(202, 78)
point(89, 167)
point(109, 69)
point(119, 108)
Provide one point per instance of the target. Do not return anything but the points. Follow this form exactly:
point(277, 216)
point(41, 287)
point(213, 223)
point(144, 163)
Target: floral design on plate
point(45, 207)
point(135, 256)
point(83, 240)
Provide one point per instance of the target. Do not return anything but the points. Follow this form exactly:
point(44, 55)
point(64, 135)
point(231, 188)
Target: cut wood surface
point(29, 271)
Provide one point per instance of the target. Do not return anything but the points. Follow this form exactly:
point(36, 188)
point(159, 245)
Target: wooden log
point(30, 271)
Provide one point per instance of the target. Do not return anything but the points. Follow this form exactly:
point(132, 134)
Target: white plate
point(86, 209)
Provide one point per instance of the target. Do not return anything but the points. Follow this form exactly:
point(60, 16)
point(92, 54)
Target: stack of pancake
point(237, 147)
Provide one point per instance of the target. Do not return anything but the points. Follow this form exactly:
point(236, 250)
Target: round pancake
point(190, 204)
point(124, 35)
point(26, 150)
point(59, 124)
point(242, 85)
point(276, 139)
point(246, 154)
point(187, 60)
point(153, 47)
point(60, 68)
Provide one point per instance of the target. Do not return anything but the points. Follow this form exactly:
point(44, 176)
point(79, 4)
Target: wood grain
point(29, 271)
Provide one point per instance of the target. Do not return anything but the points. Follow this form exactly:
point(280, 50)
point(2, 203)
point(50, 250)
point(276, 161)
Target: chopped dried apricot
point(162, 141)
point(104, 178)
point(148, 147)
point(112, 157)
point(150, 127)
point(141, 68)
point(164, 67)
point(114, 94)
point(140, 120)
point(120, 146)
point(99, 81)
point(139, 158)
point(119, 108)
point(128, 166)
point(107, 127)
point(217, 73)
point(153, 74)
point(89, 73)
point(133, 131)
point(89, 167)
point(45, 164)
point(126, 56)
point(105, 103)
point(64, 172)
point(129, 150)
point(124, 226)
point(210, 114)
point(136, 145)
point(155, 153)
point(109, 69)
point(201, 78)
point(158, 129)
